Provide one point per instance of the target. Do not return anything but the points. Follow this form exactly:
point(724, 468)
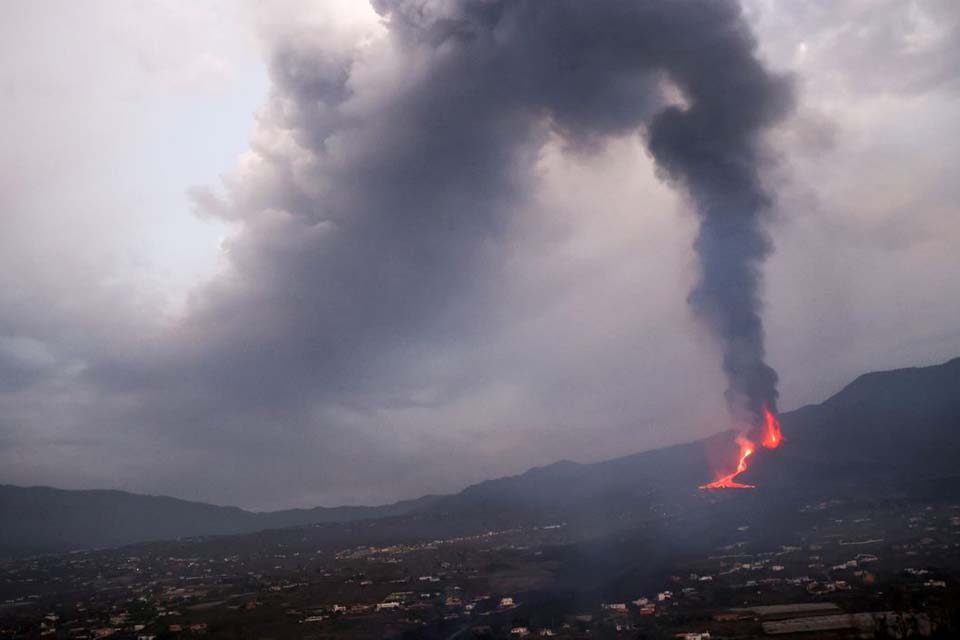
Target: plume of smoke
point(600, 68)
point(712, 148)
point(381, 178)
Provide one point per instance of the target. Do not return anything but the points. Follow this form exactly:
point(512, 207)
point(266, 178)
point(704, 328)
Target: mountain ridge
point(855, 435)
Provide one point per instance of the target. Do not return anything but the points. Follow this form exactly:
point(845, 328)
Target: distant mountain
point(42, 519)
point(889, 428)
point(882, 432)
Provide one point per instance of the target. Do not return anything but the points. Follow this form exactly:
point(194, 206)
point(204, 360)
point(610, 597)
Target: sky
point(309, 254)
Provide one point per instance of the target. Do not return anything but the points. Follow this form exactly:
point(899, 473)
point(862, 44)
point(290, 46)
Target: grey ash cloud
point(385, 178)
point(600, 69)
point(713, 148)
point(448, 252)
point(363, 240)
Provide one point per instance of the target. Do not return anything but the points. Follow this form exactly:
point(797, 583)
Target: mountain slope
point(43, 519)
point(889, 427)
point(881, 431)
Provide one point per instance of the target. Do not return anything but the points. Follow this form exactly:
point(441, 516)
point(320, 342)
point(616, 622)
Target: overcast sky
point(229, 270)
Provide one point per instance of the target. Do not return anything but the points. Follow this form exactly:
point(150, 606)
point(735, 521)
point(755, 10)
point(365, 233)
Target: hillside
point(43, 519)
point(883, 430)
point(890, 427)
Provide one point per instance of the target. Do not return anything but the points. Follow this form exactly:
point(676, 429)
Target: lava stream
point(727, 481)
point(770, 437)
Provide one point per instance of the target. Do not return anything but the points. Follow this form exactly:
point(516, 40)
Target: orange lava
point(770, 437)
point(727, 481)
point(771, 430)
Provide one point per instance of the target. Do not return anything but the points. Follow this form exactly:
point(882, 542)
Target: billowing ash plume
point(712, 148)
point(371, 207)
point(599, 68)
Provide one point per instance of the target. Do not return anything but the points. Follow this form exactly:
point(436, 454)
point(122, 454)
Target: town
point(852, 570)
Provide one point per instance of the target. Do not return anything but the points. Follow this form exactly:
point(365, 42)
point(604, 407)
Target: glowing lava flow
point(727, 481)
point(771, 430)
point(770, 437)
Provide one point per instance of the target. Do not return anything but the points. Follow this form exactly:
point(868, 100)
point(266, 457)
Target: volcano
point(770, 437)
point(884, 434)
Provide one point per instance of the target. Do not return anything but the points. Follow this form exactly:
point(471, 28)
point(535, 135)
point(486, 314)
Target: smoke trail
point(599, 68)
point(381, 176)
point(712, 148)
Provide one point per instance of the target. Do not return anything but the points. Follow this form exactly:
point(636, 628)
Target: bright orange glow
point(768, 433)
point(771, 430)
point(727, 481)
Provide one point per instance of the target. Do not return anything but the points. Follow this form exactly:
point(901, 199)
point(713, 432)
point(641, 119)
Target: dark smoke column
point(712, 148)
point(598, 68)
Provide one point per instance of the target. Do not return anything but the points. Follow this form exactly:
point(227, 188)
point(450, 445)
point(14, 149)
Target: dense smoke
point(600, 68)
point(712, 148)
point(448, 255)
point(374, 205)
point(386, 177)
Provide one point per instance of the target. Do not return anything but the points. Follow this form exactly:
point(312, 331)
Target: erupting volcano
point(770, 439)
point(771, 430)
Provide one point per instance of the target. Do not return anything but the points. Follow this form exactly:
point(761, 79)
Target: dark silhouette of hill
point(884, 428)
point(43, 519)
point(883, 432)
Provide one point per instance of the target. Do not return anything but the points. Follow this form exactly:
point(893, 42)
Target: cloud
point(450, 258)
point(376, 200)
point(867, 207)
point(888, 47)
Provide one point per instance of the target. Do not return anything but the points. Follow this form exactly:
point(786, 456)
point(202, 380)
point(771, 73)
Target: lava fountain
point(770, 438)
point(771, 430)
